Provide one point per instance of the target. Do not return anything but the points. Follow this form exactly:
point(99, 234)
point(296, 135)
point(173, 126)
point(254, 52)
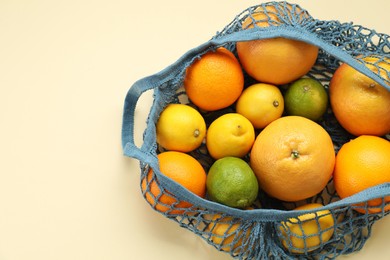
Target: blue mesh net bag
point(267, 231)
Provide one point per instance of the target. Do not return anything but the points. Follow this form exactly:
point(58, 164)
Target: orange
point(360, 104)
point(181, 168)
point(275, 60)
point(261, 103)
point(293, 158)
point(362, 163)
point(231, 134)
point(180, 128)
point(307, 231)
point(214, 81)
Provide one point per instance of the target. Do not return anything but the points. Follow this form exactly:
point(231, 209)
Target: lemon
point(231, 134)
point(306, 97)
point(180, 128)
point(306, 233)
point(231, 181)
point(261, 103)
point(226, 233)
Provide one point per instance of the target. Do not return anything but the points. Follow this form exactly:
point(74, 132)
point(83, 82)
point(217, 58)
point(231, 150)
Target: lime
point(306, 97)
point(231, 181)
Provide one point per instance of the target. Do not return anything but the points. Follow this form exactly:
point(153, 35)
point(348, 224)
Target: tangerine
point(362, 163)
point(214, 81)
point(181, 168)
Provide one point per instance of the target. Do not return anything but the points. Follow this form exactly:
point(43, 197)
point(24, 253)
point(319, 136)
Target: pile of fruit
point(266, 133)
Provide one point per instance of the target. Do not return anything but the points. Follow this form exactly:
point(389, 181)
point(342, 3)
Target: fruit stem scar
point(306, 88)
point(275, 103)
point(196, 133)
point(372, 85)
point(294, 154)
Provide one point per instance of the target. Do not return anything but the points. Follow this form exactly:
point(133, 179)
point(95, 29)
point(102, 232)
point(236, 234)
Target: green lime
point(231, 181)
point(306, 97)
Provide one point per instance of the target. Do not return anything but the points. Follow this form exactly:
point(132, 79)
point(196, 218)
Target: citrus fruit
point(269, 15)
point(307, 231)
point(181, 168)
point(230, 135)
point(274, 60)
point(293, 158)
point(180, 128)
point(231, 181)
point(360, 104)
point(306, 97)
point(226, 233)
point(214, 81)
point(362, 163)
point(261, 103)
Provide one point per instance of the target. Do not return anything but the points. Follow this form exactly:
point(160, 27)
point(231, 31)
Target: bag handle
point(128, 145)
point(137, 89)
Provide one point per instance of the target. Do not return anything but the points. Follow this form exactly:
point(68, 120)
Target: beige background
point(66, 191)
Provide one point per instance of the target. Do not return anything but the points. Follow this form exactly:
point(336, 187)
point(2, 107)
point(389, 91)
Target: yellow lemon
point(307, 231)
point(261, 103)
point(225, 233)
point(180, 128)
point(231, 134)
